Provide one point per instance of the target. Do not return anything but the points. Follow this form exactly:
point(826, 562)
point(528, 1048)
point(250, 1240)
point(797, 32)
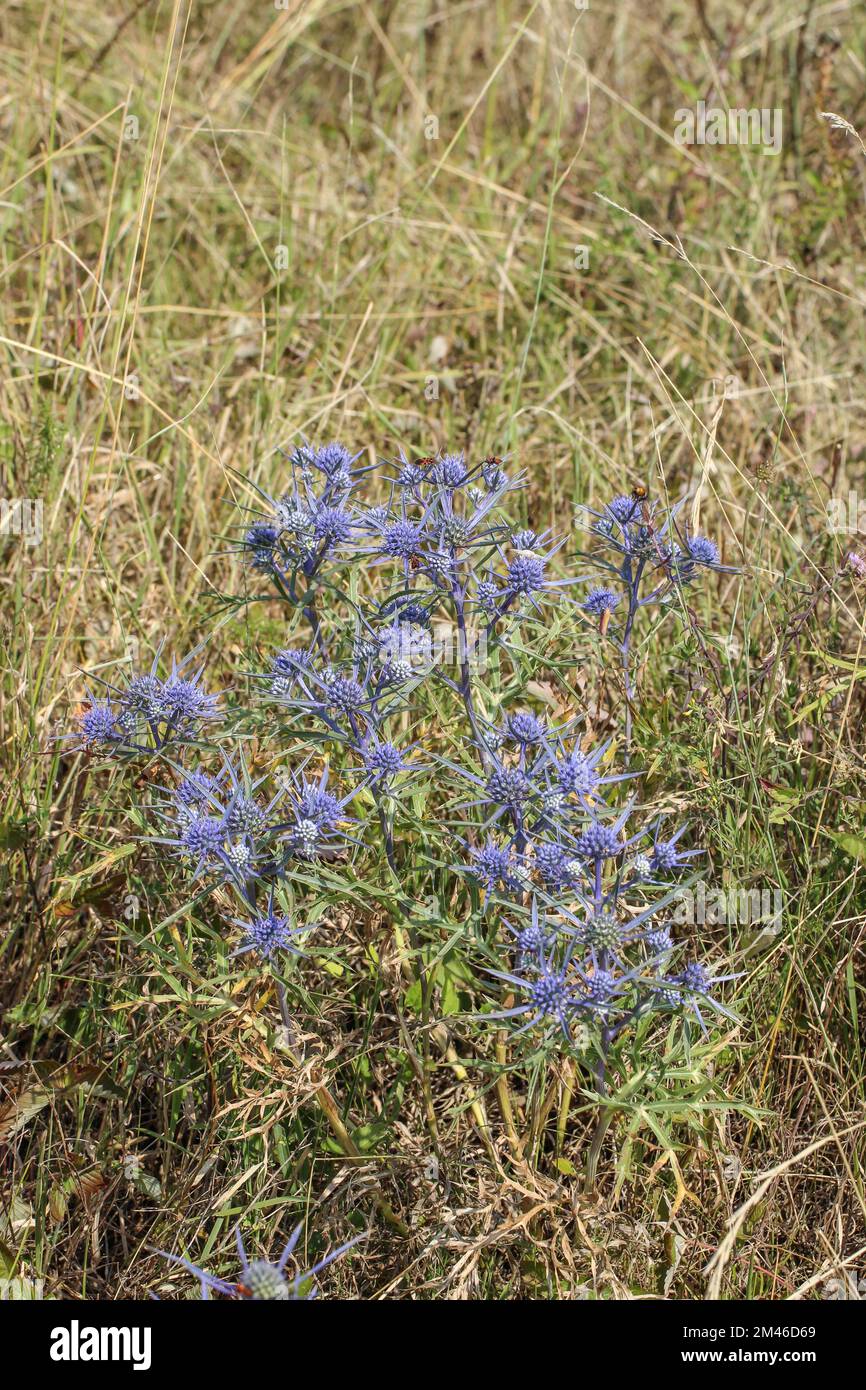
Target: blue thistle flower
point(666, 855)
point(195, 791)
point(260, 545)
point(550, 998)
point(316, 815)
point(524, 540)
point(623, 509)
point(401, 539)
point(183, 703)
point(288, 668)
point(345, 694)
point(260, 1280)
point(508, 786)
point(525, 574)
point(383, 760)
point(702, 551)
point(98, 724)
point(335, 461)
point(599, 842)
point(524, 728)
point(576, 774)
point(202, 838)
point(268, 934)
point(487, 594)
point(494, 475)
point(332, 524)
point(554, 866)
point(534, 941)
point(691, 989)
point(449, 471)
point(600, 600)
point(658, 940)
point(495, 866)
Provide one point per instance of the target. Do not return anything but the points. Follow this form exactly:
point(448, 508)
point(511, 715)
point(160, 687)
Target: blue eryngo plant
point(645, 559)
point(409, 752)
point(149, 712)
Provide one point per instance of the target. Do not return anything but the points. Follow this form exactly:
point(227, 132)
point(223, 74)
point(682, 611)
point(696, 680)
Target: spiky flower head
point(525, 574)
point(551, 993)
point(455, 531)
point(244, 816)
point(383, 759)
point(524, 540)
point(658, 940)
point(600, 989)
point(269, 933)
point(260, 543)
point(333, 524)
point(450, 471)
point(602, 932)
point(99, 723)
point(601, 600)
point(345, 694)
point(666, 854)
point(495, 864)
point(410, 475)
point(694, 978)
point(335, 461)
point(493, 474)
point(203, 837)
point(401, 539)
point(702, 551)
point(576, 774)
point(598, 842)
point(487, 594)
point(508, 786)
point(531, 944)
point(623, 509)
point(183, 703)
point(261, 1280)
point(641, 866)
point(553, 865)
point(525, 728)
point(305, 837)
point(194, 790)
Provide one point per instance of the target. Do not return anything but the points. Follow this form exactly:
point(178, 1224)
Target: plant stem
point(330, 1110)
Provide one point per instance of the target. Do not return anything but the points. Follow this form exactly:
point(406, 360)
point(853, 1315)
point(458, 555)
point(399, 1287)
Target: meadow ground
point(469, 226)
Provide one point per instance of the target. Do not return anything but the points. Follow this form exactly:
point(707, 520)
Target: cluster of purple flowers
point(311, 521)
point(596, 949)
point(547, 837)
point(643, 559)
point(227, 828)
point(149, 712)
